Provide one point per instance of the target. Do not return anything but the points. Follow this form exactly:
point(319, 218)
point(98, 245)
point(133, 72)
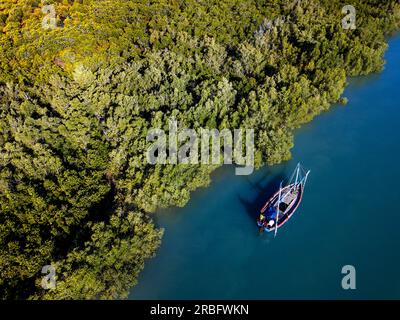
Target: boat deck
point(290, 197)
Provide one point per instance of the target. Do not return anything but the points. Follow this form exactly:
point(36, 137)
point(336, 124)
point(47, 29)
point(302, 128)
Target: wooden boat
point(283, 204)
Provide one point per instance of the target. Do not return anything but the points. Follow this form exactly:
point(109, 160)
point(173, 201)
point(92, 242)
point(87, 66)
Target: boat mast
point(305, 178)
point(277, 210)
point(297, 172)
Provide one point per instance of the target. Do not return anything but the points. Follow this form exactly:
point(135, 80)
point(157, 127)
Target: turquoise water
point(349, 214)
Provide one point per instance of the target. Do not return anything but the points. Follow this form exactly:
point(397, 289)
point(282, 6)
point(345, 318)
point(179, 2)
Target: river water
point(350, 214)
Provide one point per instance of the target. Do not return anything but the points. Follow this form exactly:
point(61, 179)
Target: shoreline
point(227, 172)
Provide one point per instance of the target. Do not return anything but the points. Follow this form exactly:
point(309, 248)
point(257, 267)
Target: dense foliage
point(77, 101)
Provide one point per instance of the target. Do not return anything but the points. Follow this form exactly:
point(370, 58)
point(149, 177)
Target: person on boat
point(262, 217)
point(271, 223)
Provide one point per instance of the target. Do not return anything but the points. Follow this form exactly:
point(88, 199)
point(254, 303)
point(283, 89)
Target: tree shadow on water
point(263, 193)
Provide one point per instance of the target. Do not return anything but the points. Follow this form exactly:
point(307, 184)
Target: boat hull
point(285, 215)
